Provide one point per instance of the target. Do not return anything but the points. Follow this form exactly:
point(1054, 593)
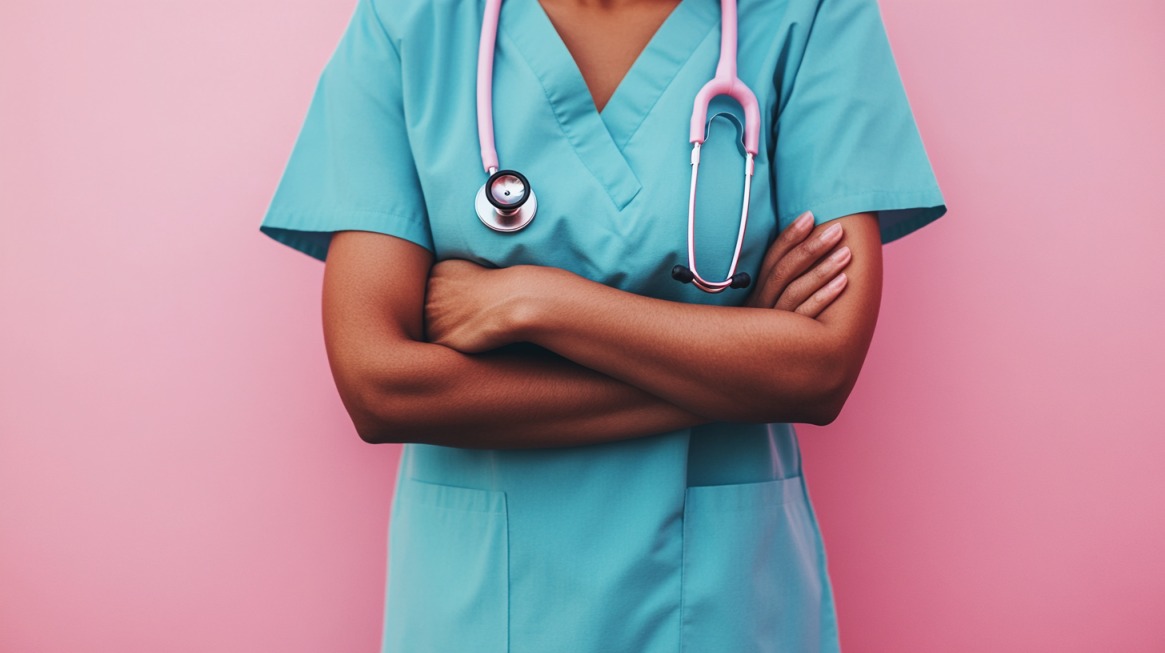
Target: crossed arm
point(442, 354)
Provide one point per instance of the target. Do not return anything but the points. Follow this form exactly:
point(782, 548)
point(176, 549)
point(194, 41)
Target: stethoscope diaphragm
point(505, 202)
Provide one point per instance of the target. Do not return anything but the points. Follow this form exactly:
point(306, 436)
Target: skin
point(794, 368)
point(605, 364)
point(604, 37)
point(460, 355)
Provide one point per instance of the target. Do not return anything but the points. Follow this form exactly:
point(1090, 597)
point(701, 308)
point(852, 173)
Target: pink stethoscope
point(507, 203)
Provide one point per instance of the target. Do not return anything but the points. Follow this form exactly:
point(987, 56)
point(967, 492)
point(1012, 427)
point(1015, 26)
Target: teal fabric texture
point(700, 540)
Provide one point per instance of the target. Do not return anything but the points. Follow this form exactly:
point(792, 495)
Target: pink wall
point(177, 474)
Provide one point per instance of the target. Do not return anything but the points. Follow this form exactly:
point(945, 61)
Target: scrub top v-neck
point(600, 138)
point(696, 540)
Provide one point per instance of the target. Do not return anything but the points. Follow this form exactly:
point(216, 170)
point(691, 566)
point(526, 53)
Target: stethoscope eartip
point(741, 280)
point(507, 203)
point(682, 274)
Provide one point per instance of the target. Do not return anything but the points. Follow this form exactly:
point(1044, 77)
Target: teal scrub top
point(698, 540)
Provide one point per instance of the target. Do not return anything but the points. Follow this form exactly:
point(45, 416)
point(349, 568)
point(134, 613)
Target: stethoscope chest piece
point(506, 202)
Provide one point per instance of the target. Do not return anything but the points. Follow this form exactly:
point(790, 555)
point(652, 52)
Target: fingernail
point(804, 220)
point(831, 232)
point(837, 282)
point(840, 255)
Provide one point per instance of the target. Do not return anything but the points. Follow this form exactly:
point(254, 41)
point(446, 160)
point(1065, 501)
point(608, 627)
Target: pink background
point(177, 473)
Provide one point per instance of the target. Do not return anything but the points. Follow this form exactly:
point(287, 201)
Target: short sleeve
point(352, 167)
point(846, 139)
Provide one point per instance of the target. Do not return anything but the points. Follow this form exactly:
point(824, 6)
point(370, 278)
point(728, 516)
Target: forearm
point(725, 363)
point(399, 387)
point(515, 397)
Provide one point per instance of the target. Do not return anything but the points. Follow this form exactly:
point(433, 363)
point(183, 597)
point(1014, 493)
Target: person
point(598, 458)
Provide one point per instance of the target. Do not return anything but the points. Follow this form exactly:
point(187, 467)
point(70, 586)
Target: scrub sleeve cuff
point(306, 231)
point(899, 212)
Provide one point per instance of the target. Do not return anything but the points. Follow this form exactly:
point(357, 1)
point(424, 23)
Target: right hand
point(796, 275)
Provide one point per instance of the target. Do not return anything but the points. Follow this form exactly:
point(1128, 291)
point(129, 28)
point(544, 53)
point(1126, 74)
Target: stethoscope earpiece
point(740, 280)
point(507, 203)
point(684, 274)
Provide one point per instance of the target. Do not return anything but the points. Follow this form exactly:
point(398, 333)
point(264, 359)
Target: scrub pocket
point(448, 570)
point(752, 571)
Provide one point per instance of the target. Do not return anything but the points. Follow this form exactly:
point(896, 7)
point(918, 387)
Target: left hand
point(469, 307)
point(797, 275)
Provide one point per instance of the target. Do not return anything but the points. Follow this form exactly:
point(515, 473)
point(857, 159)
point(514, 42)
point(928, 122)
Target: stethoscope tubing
point(697, 280)
point(485, 74)
point(725, 82)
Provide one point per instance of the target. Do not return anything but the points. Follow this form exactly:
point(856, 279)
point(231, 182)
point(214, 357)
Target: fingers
point(821, 299)
point(765, 292)
point(787, 240)
point(802, 288)
point(794, 262)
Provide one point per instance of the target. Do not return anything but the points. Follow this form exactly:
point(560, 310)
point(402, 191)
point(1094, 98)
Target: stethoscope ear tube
point(506, 202)
point(725, 82)
point(688, 274)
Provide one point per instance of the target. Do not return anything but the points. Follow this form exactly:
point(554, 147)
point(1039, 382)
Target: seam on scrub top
point(796, 73)
point(383, 29)
point(509, 570)
point(904, 227)
point(302, 221)
point(842, 196)
point(403, 106)
point(819, 543)
point(298, 219)
point(562, 126)
point(823, 564)
point(659, 96)
point(683, 566)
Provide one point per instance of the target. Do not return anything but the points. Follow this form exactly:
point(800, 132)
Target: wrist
point(535, 289)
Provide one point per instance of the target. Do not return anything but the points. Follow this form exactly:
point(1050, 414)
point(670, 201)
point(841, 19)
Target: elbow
point(836, 379)
point(385, 388)
point(821, 392)
point(824, 413)
point(375, 414)
point(390, 399)
point(368, 422)
point(372, 432)
point(386, 422)
point(379, 428)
